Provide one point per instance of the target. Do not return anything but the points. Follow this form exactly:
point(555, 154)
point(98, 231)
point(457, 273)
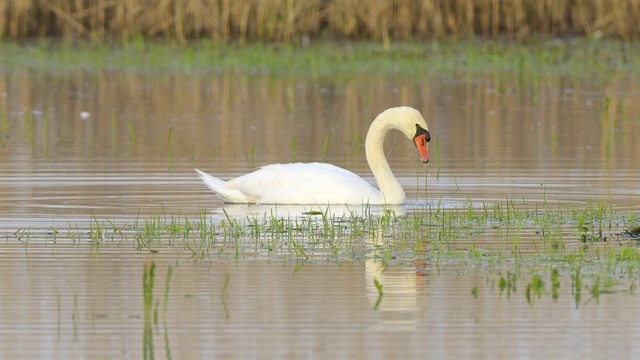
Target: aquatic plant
point(132, 137)
point(4, 124)
point(164, 313)
point(45, 130)
point(523, 242)
point(170, 147)
point(147, 291)
point(378, 286)
point(114, 130)
point(324, 147)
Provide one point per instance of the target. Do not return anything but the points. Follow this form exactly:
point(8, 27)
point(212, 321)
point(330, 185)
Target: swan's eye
point(421, 131)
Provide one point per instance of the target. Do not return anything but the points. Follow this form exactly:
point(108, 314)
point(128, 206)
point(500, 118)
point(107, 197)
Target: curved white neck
point(390, 188)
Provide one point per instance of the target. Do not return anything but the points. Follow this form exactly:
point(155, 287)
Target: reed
point(286, 20)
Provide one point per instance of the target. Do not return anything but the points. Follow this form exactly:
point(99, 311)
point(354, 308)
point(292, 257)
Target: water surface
point(565, 142)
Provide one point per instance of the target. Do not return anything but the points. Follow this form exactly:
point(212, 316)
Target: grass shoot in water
point(114, 131)
point(132, 137)
point(499, 234)
point(45, 130)
point(4, 123)
point(325, 145)
point(29, 127)
point(437, 157)
point(170, 147)
point(555, 283)
point(75, 313)
point(293, 148)
point(378, 286)
point(357, 141)
point(147, 292)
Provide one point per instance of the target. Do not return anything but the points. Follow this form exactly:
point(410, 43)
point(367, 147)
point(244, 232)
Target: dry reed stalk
point(338, 19)
point(286, 20)
point(3, 20)
point(70, 24)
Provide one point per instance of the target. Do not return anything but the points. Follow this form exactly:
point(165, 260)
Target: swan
point(319, 183)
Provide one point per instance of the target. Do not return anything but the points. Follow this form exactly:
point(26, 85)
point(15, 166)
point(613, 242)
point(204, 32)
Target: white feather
point(319, 183)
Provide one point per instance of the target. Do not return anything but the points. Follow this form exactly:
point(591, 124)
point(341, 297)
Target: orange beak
point(421, 144)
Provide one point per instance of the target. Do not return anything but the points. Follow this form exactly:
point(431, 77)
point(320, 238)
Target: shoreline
point(576, 58)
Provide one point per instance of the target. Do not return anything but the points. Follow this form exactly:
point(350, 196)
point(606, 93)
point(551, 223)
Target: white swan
point(317, 183)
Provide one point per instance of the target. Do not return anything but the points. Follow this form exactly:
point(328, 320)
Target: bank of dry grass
point(285, 20)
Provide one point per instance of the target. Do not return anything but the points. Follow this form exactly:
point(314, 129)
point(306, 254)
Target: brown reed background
point(288, 20)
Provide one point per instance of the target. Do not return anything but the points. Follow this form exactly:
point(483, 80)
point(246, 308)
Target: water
point(75, 304)
point(552, 140)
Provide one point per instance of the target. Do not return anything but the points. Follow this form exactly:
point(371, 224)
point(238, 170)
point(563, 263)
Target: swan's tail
point(212, 182)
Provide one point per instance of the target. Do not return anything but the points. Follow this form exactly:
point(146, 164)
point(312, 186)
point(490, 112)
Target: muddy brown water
point(132, 157)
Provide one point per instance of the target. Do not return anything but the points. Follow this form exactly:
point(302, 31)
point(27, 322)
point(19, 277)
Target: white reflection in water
point(398, 304)
point(242, 211)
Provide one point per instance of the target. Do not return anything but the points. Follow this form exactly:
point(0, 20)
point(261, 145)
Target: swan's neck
point(390, 188)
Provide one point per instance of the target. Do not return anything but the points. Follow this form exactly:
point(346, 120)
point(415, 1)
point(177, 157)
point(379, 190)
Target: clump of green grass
point(536, 286)
point(503, 234)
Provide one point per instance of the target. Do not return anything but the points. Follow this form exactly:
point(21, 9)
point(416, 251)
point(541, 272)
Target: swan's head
point(412, 124)
point(421, 139)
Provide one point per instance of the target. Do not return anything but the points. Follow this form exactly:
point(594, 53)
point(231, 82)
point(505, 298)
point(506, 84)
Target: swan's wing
point(313, 183)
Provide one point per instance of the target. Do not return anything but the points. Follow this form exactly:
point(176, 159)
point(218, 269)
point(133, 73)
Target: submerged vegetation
point(514, 241)
point(506, 228)
point(518, 232)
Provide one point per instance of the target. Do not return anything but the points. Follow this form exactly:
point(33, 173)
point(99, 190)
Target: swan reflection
point(402, 290)
point(242, 211)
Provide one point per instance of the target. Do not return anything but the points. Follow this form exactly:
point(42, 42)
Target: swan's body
point(317, 183)
point(312, 183)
